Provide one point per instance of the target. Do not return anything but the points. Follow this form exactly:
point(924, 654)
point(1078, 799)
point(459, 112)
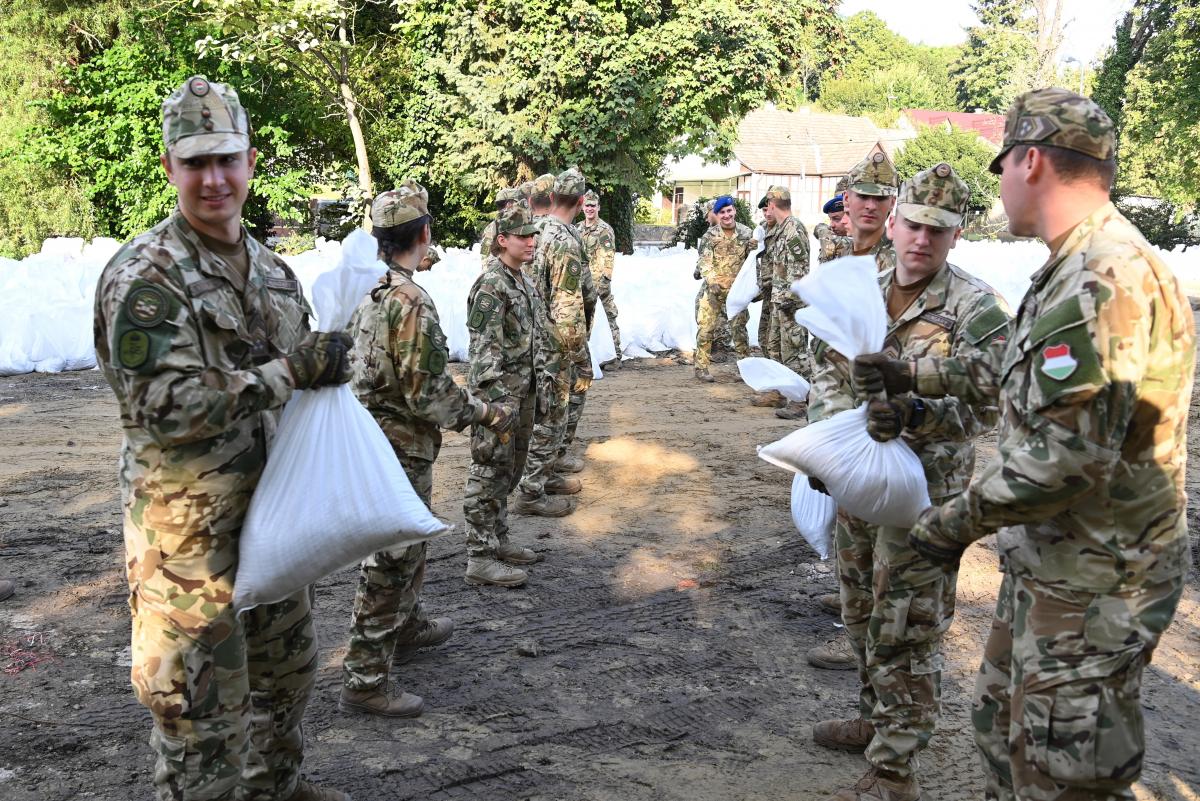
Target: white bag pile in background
point(814, 514)
point(764, 375)
point(333, 491)
point(880, 482)
point(745, 287)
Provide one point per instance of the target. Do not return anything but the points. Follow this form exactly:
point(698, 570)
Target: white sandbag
point(764, 375)
point(600, 343)
point(814, 514)
point(745, 287)
point(880, 482)
point(333, 491)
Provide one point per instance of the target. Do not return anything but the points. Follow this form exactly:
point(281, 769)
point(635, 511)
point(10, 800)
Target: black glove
point(818, 485)
point(322, 358)
point(876, 373)
point(886, 419)
point(927, 539)
point(696, 274)
point(498, 417)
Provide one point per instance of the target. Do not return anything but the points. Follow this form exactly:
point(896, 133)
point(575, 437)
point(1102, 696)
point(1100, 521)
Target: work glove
point(696, 274)
point(887, 419)
point(818, 485)
point(876, 373)
point(498, 417)
point(928, 539)
point(321, 359)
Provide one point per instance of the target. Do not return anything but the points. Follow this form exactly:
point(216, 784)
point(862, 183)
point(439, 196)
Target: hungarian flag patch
point(1058, 363)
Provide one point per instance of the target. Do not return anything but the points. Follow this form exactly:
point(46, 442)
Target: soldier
point(838, 226)
point(768, 327)
point(432, 257)
point(540, 201)
point(895, 604)
point(870, 195)
point(557, 271)
point(600, 247)
point(203, 335)
point(504, 199)
point(400, 377)
point(507, 363)
point(1087, 487)
point(786, 260)
point(722, 251)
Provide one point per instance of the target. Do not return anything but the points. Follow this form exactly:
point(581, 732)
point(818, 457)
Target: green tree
point(962, 150)
point(999, 60)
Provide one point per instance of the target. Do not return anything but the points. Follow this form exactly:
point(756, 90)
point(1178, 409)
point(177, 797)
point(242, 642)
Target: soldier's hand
point(818, 485)
point(886, 419)
point(322, 358)
point(927, 539)
point(498, 417)
point(696, 274)
point(876, 373)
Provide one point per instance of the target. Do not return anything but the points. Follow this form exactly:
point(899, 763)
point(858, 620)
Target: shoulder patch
point(987, 324)
point(482, 310)
point(133, 348)
point(147, 305)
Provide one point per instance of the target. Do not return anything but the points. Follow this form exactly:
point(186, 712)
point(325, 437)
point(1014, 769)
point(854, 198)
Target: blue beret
point(833, 206)
point(722, 202)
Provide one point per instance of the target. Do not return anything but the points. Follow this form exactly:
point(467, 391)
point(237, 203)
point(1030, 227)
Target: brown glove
point(498, 417)
point(886, 419)
point(876, 373)
point(321, 358)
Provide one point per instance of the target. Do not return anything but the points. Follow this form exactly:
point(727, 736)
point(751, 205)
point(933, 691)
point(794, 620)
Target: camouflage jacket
point(600, 247)
point(485, 242)
point(957, 314)
point(1094, 387)
point(399, 363)
point(829, 244)
point(505, 321)
point(561, 276)
point(721, 255)
point(192, 351)
point(835, 247)
point(786, 260)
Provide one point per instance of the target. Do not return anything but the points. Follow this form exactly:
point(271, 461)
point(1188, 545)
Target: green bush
point(962, 150)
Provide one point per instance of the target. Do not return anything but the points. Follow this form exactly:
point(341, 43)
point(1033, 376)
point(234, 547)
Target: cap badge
point(942, 170)
point(198, 86)
point(878, 158)
point(1035, 129)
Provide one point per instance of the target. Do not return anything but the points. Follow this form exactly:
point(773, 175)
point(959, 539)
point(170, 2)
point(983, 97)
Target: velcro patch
point(133, 348)
point(286, 284)
point(481, 311)
point(943, 320)
point(147, 305)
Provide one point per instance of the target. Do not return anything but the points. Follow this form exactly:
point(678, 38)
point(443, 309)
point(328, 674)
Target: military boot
point(431, 632)
point(514, 554)
point(852, 734)
point(831, 602)
point(7, 588)
point(384, 701)
point(542, 505)
point(773, 399)
point(562, 485)
point(311, 792)
point(793, 411)
point(612, 364)
point(880, 785)
point(837, 654)
point(702, 374)
point(568, 464)
point(481, 570)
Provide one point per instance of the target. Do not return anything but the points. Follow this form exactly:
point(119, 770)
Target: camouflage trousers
point(549, 430)
point(496, 467)
point(1057, 708)
point(764, 322)
point(227, 692)
point(387, 602)
point(579, 388)
point(710, 317)
point(793, 348)
point(896, 607)
point(604, 293)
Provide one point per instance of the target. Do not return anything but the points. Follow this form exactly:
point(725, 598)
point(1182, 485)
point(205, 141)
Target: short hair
point(1072, 166)
point(401, 238)
point(541, 200)
point(566, 201)
point(501, 205)
point(781, 203)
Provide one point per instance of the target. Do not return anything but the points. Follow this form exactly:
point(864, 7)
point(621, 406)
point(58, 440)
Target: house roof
point(988, 126)
point(803, 142)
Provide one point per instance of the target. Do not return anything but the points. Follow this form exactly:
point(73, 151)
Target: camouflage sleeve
point(830, 392)
point(826, 241)
point(973, 376)
point(605, 252)
point(704, 256)
point(955, 419)
point(417, 347)
point(485, 242)
point(151, 350)
point(588, 286)
point(797, 254)
point(566, 305)
point(485, 323)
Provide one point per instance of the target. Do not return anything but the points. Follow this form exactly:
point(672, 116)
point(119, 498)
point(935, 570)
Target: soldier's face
point(867, 212)
point(212, 188)
point(839, 222)
point(726, 216)
point(1017, 191)
point(591, 211)
point(922, 249)
point(518, 249)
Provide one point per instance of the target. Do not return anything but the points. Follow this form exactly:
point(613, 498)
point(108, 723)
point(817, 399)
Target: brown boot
point(793, 411)
point(851, 734)
point(311, 792)
point(773, 399)
point(514, 554)
point(542, 505)
point(837, 654)
point(494, 572)
point(568, 464)
point(880, 785)
point(383, 702)
point(562, 485)
point(831, 602)
point(431, 632)
point(703, 375)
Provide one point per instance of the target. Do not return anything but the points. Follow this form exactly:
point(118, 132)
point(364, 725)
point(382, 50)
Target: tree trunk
point(1049, 39)
point(366, 187)
point(618, 205)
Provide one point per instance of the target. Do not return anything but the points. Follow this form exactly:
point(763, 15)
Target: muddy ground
point(657, 653)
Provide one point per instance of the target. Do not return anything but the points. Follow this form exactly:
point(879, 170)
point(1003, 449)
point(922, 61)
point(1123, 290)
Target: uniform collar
point(1072, 244)
point(934, 296)
point(210, 264)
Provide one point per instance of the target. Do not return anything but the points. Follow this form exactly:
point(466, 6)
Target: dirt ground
point(657, 653)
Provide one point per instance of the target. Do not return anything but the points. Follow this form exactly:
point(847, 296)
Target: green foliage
point(962, 150)
point(998, 61)
point(693, 226)
point(1161, 222)
point(618, 212)
point(644, 212)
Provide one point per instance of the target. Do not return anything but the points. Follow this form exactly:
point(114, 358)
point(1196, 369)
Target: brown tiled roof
point(989, 126)
point(803, 142)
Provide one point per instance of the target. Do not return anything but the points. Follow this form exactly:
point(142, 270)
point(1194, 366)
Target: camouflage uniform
point(1087, 491)
point(192, 350)
point(504, 196)
point(506, 324)
point(559, 273)
point(768, 323)
point(400, 377)
point(895, 604)
point(600, 247)
point(875, 176)
point(721, 255)
point(786, 260)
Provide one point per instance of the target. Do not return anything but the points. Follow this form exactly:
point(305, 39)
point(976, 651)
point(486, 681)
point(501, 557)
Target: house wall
point(809, 192)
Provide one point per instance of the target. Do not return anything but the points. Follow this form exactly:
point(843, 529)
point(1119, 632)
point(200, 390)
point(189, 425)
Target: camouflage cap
point(526, 189)
point(202, 118)
point(515, 221)
point(875, 175)
point(415, 194)
point(570, 182)
point(842, 186)
point(510, 195)
point(778, 193)
point(936, 196)
point(1058, 118)
point(398, 206)
point(590, 198)
point(542, 184)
